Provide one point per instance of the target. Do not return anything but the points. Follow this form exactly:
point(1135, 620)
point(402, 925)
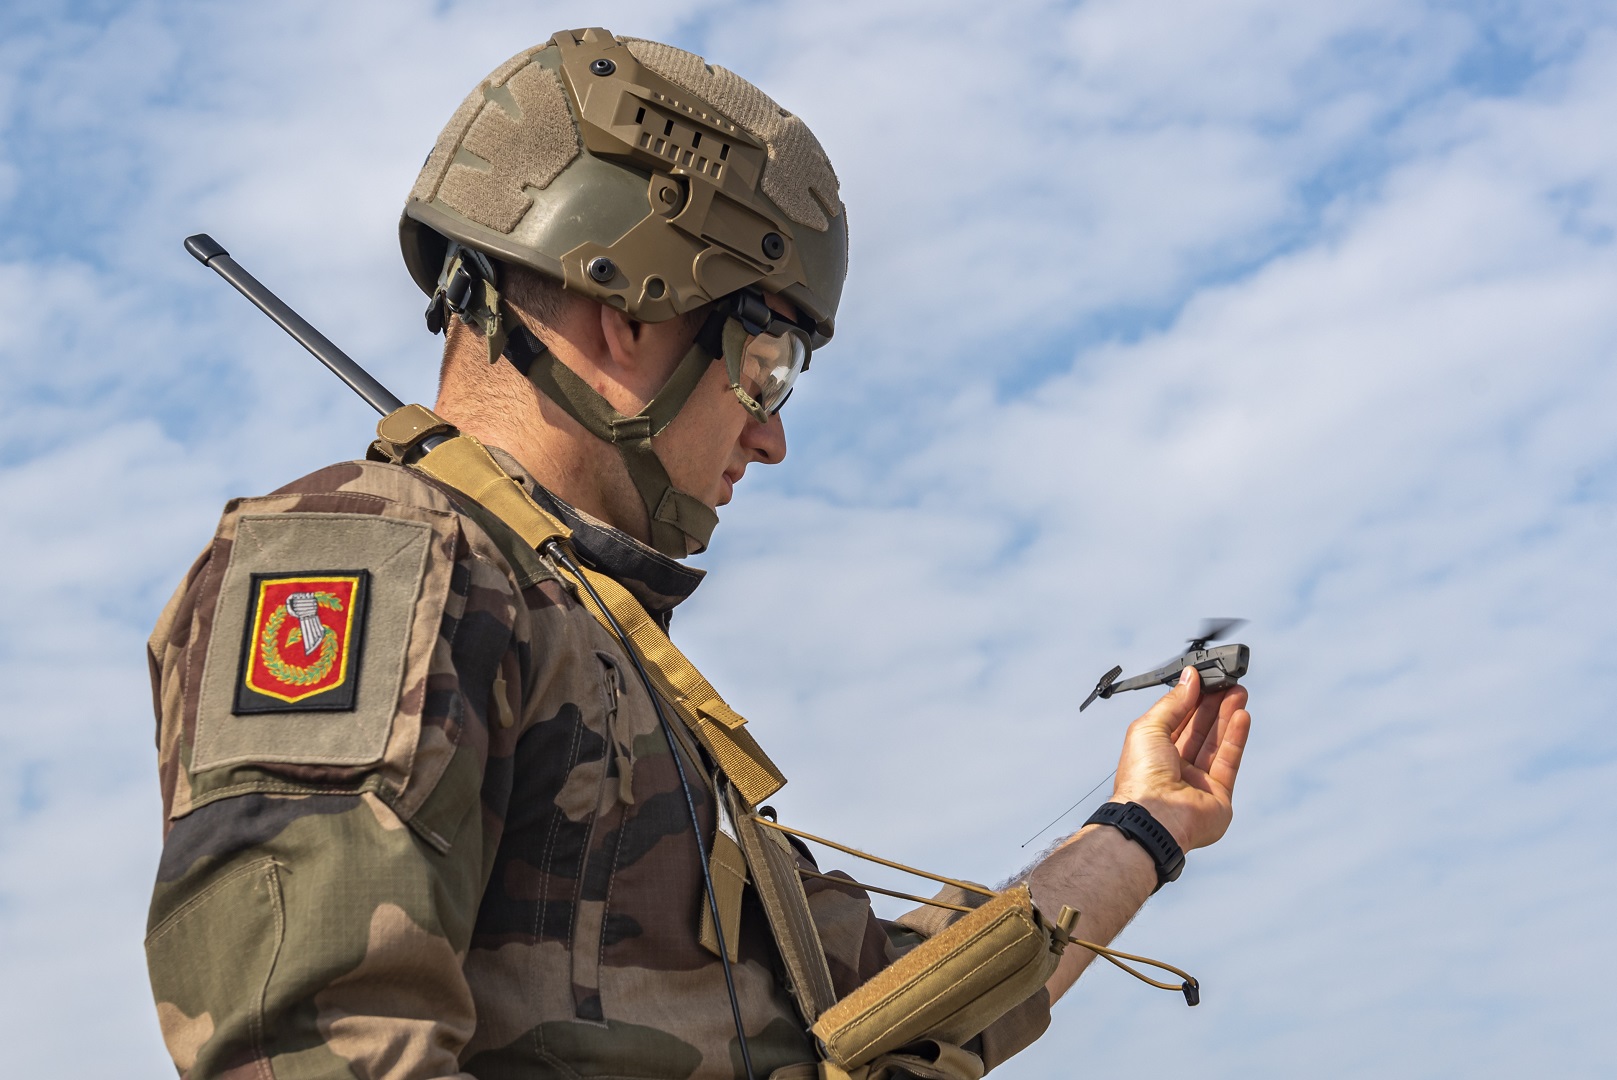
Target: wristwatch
point(1135, 822)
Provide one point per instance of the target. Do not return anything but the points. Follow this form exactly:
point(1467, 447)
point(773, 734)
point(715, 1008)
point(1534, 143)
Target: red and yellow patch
point(302, 640)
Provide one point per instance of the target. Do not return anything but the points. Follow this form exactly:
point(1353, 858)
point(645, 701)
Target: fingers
point(1211, 713)
point(1229, 701)
point(1226, 762)
point(1181, 758)
point(1193, 735)
point(1185, 740)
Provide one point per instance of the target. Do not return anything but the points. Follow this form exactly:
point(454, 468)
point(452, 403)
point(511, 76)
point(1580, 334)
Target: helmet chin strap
point(681, 524)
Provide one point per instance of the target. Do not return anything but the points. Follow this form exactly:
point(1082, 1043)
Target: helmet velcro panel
point(513, 133)
point(443, 151)
point(798, 176)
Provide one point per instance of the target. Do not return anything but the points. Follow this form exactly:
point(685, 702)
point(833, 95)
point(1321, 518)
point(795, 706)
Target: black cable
point(1070, 809)
point(558, 553)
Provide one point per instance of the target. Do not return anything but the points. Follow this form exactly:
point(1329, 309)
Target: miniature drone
point(1220, 667)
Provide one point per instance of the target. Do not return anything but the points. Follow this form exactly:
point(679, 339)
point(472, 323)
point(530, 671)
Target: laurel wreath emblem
point(283, 669)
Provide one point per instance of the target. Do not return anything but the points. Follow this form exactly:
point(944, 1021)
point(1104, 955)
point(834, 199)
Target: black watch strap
point(1135, 822)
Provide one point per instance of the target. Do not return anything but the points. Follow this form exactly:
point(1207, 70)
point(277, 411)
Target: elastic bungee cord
point(557, 552)
point(1188, 986)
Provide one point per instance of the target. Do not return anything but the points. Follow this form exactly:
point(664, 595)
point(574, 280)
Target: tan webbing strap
point(719, 728)
point(774, 872)
point(466, 466)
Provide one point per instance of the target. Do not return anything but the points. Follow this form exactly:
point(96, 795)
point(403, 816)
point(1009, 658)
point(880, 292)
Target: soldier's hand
point(1180, 759)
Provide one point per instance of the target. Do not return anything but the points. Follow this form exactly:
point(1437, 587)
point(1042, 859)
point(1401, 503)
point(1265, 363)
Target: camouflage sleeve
point(858, 944)
point(324, 680)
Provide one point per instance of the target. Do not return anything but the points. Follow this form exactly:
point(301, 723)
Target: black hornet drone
point(1220, 667)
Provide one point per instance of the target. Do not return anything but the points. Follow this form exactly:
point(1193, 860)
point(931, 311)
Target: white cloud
point(1356, 391)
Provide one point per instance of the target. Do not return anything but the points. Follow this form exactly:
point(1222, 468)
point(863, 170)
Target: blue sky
point(1157, 310)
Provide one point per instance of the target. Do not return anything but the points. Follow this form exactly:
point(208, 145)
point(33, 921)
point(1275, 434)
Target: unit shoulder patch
point(302, 642)
point(324, 624)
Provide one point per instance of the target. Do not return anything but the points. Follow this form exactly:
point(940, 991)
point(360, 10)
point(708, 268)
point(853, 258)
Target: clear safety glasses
point(775, 352)
point(772, 362)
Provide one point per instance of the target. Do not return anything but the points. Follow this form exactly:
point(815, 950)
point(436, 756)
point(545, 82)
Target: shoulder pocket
point(324, 625)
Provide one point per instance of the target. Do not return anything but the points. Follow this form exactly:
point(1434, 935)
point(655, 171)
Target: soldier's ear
point(642, 354)
point(624, 337)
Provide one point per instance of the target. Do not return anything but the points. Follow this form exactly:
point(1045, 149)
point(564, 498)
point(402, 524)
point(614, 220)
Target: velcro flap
point(727, 868)
point(407, 425)
point(720, 713)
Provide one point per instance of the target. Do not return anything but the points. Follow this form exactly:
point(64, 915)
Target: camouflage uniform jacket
point(467, 855)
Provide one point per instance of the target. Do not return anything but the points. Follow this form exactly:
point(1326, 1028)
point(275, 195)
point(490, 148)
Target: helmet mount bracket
point(704, 175)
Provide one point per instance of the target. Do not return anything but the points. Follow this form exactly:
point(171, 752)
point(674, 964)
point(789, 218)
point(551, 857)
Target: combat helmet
point(640, 176)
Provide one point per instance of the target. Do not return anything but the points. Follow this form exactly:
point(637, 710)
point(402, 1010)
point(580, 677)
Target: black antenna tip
point(1192, 991)
point(204, 248)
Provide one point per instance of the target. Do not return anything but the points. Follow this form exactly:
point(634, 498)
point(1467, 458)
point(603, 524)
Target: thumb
point(1172, 709)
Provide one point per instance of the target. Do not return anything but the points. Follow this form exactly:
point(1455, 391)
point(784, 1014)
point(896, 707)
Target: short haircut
point(541, 298)
point(485, 393)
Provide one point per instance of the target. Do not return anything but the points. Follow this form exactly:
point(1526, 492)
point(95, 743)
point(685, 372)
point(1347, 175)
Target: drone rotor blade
point(1103, 688)
point(1214, 629)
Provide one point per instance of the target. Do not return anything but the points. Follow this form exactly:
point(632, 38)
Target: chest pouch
point(948, 988)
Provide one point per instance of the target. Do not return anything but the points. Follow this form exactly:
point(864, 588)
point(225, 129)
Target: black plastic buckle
point(435, 313)
point(752, 311)
point(458, 290)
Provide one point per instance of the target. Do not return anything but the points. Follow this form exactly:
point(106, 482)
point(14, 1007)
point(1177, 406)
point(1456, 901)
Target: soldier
point(426, 812)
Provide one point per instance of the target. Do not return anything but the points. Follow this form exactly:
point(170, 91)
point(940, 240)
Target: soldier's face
point(713, 440)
